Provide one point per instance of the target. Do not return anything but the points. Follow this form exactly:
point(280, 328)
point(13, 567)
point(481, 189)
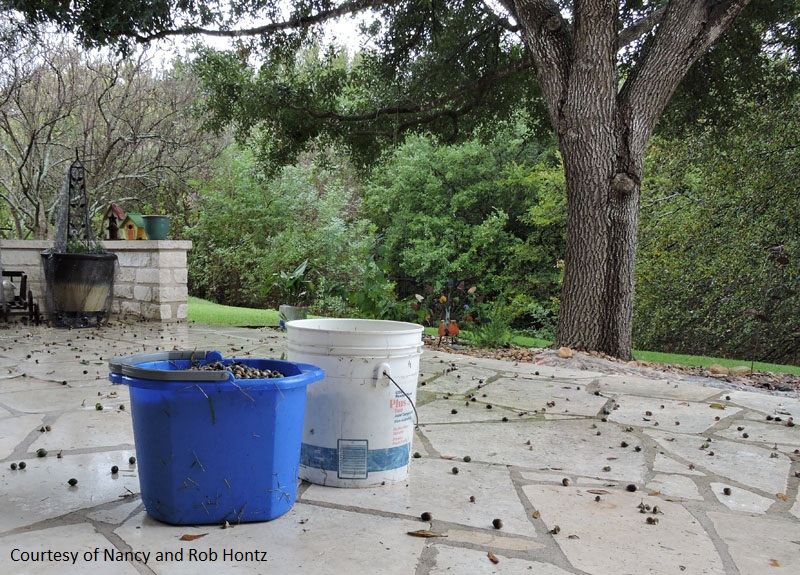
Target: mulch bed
point(760, 380)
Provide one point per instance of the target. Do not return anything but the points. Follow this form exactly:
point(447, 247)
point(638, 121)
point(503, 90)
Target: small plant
point(77, 246)
point(494, 330)
point(294, 286)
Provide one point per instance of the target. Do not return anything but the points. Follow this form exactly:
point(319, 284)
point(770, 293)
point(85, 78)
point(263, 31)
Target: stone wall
point(150, 281)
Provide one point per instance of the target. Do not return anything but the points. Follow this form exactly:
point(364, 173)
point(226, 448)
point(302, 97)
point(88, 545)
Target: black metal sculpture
point(78, 272)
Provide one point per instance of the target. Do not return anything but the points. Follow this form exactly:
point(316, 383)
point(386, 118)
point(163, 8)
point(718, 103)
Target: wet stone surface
point(580, 465)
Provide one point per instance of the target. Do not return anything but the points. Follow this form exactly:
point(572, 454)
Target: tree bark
point(602, 133)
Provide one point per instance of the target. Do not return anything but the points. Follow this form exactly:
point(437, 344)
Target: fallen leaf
point(536, 515)
point(493, 558)
point(716, 406)
point(598, 491)
point(425, 533)
point(187, 537)
point(654, 494)
point(448, 457)
point(781, 496)
point(774, 563)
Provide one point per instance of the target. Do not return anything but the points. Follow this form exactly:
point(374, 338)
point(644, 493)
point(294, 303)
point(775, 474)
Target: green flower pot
point(156, 227)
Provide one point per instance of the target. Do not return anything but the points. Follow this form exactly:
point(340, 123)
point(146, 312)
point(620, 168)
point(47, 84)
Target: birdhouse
point(112, 218)
point(133, 227)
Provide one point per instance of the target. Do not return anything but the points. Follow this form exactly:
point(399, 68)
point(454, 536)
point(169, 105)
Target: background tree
point(127, 121)
point(720, 240)
point(606, 71)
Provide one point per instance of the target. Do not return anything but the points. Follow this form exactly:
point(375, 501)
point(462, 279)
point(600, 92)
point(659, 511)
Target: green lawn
point(208, 313)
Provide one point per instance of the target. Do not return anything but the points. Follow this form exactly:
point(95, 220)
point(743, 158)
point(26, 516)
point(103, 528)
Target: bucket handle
point(383, 372)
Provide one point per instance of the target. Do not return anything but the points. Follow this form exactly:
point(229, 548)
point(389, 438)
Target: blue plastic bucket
point(211, 448)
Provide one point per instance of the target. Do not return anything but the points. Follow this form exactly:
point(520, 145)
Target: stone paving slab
point(435, 486)
point(581, 526)
point(574, 442)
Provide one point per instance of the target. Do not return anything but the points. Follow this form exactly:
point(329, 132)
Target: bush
point(493, 331)
point(251, 228)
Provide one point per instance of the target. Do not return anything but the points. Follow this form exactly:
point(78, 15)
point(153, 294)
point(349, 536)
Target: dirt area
point(767, 381)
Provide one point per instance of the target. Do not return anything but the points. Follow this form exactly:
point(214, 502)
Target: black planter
point(80, 288)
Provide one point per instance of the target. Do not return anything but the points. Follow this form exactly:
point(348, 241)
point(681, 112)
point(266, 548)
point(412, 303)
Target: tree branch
point(641, 27)
point(482, 85)
point(548, 37)
point(295, 23)
point(686, 31)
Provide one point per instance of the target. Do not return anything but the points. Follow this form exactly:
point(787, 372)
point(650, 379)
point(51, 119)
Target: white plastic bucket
point(359, 421)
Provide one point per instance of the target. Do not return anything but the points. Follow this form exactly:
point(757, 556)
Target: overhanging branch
point(481, 86)
point(296, 23)
point(641, 27)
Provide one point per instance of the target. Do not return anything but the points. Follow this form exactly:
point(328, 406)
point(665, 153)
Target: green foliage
point(426, 66)
point(251, 228)
point(495, 329)
point(757, 58)
point(717, 271)
point(78, 246)
point(490, 214)
point(294, 286)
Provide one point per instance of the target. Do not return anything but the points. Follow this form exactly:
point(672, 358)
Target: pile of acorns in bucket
point(240, 370)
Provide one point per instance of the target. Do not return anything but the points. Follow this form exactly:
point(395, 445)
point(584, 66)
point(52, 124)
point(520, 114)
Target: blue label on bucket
point(353, 459)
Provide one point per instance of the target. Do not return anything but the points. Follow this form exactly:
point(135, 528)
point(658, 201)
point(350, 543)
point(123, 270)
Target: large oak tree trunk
point(602, 133)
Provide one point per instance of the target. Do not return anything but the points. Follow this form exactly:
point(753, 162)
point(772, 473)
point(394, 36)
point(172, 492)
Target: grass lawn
point(208, 313)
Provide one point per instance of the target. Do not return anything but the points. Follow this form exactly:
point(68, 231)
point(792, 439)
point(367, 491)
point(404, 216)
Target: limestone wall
point(150, 281)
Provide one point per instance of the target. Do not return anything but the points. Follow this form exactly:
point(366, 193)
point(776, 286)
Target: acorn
point(114, 470)
point(426, 516)
point(631, 487)
point(497, 523)
point(72, 482)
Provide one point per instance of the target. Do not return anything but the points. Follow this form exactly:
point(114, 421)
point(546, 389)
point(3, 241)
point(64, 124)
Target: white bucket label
point(353, 458)
point(402, 432)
